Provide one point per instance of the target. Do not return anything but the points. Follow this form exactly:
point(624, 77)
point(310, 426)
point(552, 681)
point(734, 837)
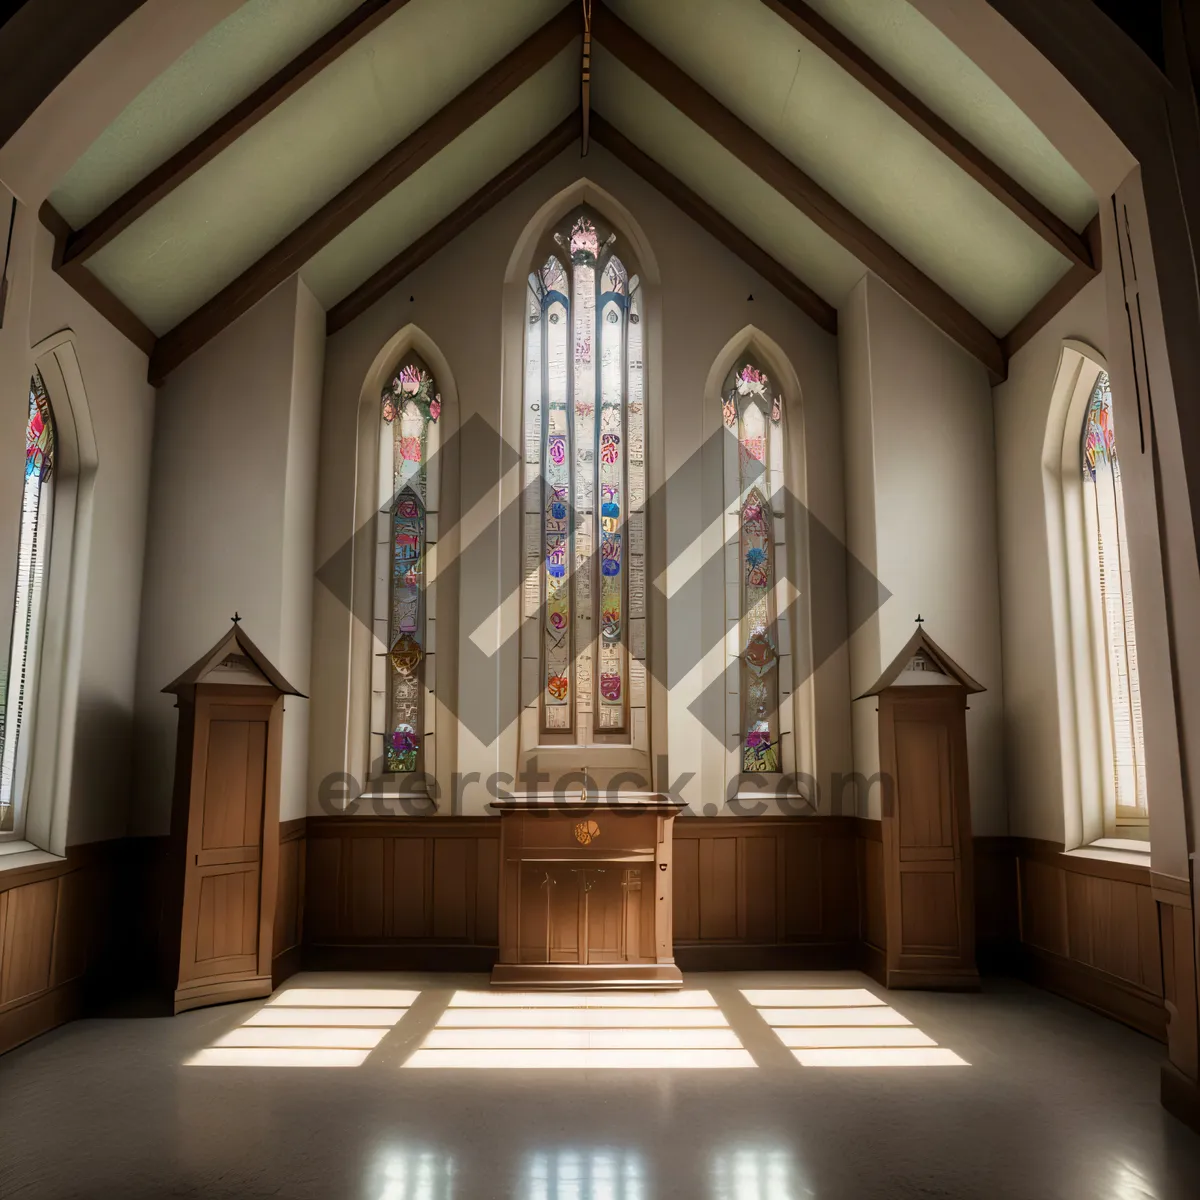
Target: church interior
point(600, 599)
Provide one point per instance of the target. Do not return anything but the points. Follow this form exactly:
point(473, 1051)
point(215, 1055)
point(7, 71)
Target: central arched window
point(18, 685)
point(584, 437)
point(1111, 596)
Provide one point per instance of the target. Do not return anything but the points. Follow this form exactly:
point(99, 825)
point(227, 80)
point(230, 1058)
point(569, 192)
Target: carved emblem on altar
point(587, 832)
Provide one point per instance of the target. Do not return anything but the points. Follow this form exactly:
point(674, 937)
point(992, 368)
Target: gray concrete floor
point(1055, 1102)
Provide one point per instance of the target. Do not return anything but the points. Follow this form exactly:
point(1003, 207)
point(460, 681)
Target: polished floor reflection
point(239, 1101)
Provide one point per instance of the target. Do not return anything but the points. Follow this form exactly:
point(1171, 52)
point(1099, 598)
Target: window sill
point(1121, 850)
point(17, 854)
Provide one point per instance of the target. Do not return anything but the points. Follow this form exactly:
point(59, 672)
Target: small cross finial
point(919, 618)
point(236, 618)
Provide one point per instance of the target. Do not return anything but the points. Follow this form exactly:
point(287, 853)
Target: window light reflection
point(750, 1173)
point(603, 1174)
point(416, 1175)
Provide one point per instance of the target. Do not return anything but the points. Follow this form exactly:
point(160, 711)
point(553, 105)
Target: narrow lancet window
point(1113, 602)
point(411, 407)
point(18, 684)
point(752, 413)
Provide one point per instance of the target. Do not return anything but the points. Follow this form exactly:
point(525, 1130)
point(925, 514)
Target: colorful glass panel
point(18, 682)
point(411, 404)
point(748, 406)
point(584, 432)
point(613, 683)
point(1111, 570)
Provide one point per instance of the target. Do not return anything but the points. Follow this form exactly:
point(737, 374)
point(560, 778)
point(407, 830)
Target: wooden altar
point(585, 895)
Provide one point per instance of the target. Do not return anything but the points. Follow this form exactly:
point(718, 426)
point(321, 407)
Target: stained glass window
point(411, 407)
point(752, 413)
point(586, 480)
point(18, 683)
point(1113, 596)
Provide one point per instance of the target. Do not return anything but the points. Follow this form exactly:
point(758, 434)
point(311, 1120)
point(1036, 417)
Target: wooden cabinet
point(585, 895)
point(224, 850)
point(926, 818)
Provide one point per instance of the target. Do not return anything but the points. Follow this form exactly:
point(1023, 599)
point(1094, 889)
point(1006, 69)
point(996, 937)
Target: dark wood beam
point(90, 288)
point(42, 43)
point(1057, 298)
point(446, 230)
point(205, 146)
point(831, 41)
point(397, 165)
point(797, 188)
point(707, 217)
point(585, 90)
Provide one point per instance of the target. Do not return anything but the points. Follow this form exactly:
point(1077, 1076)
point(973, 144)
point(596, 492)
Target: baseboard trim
point(797, 956)
point(285, 964)
point(202, 995)
point(1180, 1096)
point(872, 961)
point(399, 957)
point(1097, 990)
point(590, 977)
point(39, 1015)
point(932, 979)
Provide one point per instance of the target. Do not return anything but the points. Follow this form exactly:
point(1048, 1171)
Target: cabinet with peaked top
point(224, 846)
point(928, 885)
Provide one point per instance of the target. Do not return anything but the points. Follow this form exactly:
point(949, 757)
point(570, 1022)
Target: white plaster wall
point(121, 407)
point(925, 434)
point(854, 346)
point(456, 301)
point(1032, 728)
point(230, 525)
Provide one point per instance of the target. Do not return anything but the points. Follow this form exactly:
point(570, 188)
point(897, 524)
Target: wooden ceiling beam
point(707, 217)
point(90, 288)
point(446, 230)
point(1057, 298)
point(777, 170)
point(397, 165)
point(831, 41)
point(205, 146)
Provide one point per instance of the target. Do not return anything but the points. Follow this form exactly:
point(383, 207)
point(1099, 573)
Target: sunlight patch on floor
point(846, 1027)
point(581, 1030)
point(310, 1027)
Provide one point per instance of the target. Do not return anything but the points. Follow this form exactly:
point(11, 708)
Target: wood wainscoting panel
point(765, 892)
point(401, 892)
point(289, 907)
point(1179, 989)
point(28, 918)
point(873, 923)
point(1084, 927)
point(55, 926)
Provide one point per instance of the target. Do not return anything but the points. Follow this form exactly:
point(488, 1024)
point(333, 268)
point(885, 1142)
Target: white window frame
point(1081, 650)
point(43, 792)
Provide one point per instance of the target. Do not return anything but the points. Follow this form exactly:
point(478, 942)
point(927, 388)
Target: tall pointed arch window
point(408, 479)
point(585, 471)
point(752, 413)
point(18, 685)
point(1111, 596)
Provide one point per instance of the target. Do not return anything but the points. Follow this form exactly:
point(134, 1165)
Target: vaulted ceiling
point(349, 140)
